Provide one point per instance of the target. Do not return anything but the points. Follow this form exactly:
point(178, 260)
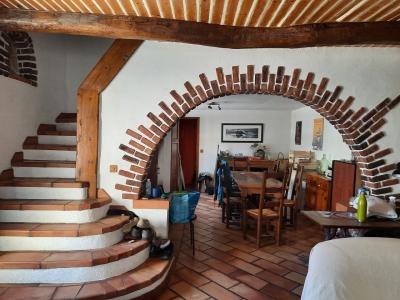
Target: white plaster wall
point(369, 74)
point(62, 61)
point(333, 145)
point(276, 133)
point(82, 54)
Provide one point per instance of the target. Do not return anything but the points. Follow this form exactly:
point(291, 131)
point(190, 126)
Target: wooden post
point(88, 103)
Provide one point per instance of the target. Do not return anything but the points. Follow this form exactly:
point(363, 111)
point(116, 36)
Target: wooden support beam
point(88, 103)
point(145, 28)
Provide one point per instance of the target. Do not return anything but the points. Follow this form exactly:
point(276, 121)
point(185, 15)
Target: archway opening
point(360, 128)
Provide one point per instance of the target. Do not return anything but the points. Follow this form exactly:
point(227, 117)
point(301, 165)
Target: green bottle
point(362, 208)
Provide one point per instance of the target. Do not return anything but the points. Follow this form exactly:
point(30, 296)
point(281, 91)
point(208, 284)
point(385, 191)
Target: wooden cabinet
point(318, 192)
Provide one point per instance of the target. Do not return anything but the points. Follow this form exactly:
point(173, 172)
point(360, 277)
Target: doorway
point(189, 150)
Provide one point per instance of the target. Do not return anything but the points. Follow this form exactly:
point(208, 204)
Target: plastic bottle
point(362, 208)
point(148, 188)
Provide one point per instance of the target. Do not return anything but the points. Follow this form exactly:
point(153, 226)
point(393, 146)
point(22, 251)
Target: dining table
point(250, 183)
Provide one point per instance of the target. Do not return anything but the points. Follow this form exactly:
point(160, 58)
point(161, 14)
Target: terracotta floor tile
point(24, 292)
point(219, 254)
point(267, 256)
point(235, 265)
point(299, 278)
point(242, 255)
point(269, 266)
point(220, 266)
point(218, 245)
point(249, 293)
point(188, 291)
point(277, 280)
point(244, 246)
point(249, 279)
point(66, 292)
point(295, 267)
point(167, 295)
point(192, 278)
point(220, 278)
point(298, 290)
point(249, 268)
point(218, 292)
point(279, 293)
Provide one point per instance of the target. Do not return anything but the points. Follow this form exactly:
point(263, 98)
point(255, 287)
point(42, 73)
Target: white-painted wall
point(333, 145)
point(276, 132)
point(369, 74)
point(62, 63)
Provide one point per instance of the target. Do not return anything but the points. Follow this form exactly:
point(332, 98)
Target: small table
point(330, 223)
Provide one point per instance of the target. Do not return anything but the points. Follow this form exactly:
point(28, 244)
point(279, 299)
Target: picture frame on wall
point(297, 137)
point(318, 134)
point(242, 132)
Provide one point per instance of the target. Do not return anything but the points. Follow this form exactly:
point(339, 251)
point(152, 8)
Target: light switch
point(113, 168)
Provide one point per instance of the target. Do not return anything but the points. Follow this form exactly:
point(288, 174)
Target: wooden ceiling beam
point(144, 28)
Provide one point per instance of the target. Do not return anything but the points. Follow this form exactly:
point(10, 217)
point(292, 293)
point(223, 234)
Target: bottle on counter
point(362, 208)
point(323, 164)
point(148, 188)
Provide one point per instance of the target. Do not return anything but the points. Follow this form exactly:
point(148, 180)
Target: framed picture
point(242, 132)
point(318, 134)
point(297, 137)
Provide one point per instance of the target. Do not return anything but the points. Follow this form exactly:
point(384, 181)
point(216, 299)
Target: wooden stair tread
point(66, 118)
point(102, 226)
point(58, 205)
point(32, 143)
point(43, 163)
point(145, 275)
point(69, 259)
point(49, 129)
point(43, 182)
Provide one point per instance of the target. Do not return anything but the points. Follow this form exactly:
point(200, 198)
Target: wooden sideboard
point(318, 192)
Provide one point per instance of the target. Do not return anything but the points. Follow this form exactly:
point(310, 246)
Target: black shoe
point(163, 251)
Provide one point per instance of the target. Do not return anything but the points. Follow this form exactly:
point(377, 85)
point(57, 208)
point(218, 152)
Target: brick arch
point(21, 43)
point(360, 129)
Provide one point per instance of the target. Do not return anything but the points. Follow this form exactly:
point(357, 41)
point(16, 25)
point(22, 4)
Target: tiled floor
point(227, 267)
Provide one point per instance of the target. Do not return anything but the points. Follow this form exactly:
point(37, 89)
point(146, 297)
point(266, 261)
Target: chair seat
point(288, 203)
point(266, 213)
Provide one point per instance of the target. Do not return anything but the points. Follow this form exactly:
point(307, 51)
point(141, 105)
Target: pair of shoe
point(162, 249)
point(140, 230)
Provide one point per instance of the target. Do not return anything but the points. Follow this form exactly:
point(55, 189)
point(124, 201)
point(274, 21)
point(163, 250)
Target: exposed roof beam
point(144, 28)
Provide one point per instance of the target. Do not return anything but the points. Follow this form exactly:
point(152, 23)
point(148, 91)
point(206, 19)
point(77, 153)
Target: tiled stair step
point(43, 182)
point(66, 118)
point(48, 134)
point(60, 237)
point(72, 266)
point(53, 211)
point(51, 129)
point(139, 282)
point(42, 168)
point(35, 151)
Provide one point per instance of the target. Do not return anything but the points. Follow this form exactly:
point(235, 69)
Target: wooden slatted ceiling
point(257, 13)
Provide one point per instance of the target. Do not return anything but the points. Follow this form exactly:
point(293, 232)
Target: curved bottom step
point(133, 284)
point(72, 267)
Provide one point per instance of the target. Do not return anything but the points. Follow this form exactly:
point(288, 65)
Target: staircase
point(55, 242)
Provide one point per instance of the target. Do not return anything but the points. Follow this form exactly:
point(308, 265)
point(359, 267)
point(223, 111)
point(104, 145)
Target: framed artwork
point(242, 132)
point(318, 134)
point(297, 137)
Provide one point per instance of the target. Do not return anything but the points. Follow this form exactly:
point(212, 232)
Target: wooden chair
point(229, 203)
point(263, 215)
point(290, 204)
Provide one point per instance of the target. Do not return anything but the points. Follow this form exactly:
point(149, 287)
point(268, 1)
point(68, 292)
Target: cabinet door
point(321, 200)
point(311, 197)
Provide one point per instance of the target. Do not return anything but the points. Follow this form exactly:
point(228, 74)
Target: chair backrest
point(297, 182)
point(276, 165)
point(270, 190)
point(286, 179)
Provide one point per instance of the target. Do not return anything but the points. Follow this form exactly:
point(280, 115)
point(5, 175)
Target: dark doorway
point(189, 150)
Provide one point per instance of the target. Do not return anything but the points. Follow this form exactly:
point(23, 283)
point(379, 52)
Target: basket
point(183, 206)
